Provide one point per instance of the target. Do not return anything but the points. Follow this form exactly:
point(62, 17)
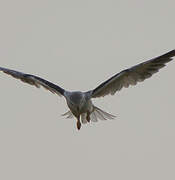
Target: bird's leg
point(88, 116)
point(78, 123)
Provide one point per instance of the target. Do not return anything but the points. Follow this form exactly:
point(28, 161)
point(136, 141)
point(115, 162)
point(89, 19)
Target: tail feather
point(103, 113)
point(99, 115)
point(96, 114)
point(93, 117)
point(68, 114)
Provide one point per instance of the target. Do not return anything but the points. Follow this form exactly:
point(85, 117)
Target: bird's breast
point(86, 106)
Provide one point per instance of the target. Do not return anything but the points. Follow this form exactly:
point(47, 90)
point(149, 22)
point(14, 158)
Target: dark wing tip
point(165, 58)
point(132, 75)
point(34, 80)
point(169, 54)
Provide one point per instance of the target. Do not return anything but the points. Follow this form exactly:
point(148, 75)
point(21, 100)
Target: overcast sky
point(77, 45)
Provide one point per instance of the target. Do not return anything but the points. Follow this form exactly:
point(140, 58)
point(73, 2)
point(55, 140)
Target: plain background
point(77, 45)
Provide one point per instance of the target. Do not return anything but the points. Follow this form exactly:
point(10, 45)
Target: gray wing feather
point(132, 75)
point(34, 80)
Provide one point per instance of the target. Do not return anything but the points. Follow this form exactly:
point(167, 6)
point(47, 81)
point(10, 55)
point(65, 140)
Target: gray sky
point(79, 44)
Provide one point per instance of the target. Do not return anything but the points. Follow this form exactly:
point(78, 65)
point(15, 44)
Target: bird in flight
point(80, 103)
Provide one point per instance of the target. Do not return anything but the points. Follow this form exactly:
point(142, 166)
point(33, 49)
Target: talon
point(78, 125)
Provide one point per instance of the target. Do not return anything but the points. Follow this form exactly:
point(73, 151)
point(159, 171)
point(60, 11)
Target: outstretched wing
point(132, 75)
point(34, 80)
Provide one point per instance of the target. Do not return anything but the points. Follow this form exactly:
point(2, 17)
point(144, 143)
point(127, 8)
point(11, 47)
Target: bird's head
point(75, 99)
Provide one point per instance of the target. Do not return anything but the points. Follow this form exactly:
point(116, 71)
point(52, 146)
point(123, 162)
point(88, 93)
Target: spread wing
point(34, 80)
point(132, 75)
